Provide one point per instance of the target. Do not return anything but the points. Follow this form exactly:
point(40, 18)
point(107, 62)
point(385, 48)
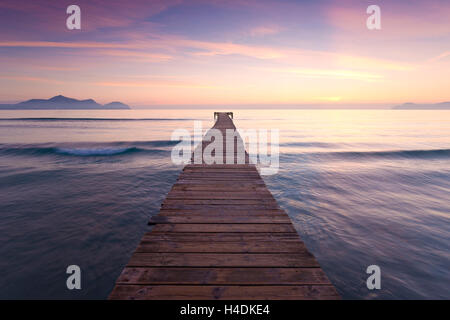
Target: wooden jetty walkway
point(220, 234)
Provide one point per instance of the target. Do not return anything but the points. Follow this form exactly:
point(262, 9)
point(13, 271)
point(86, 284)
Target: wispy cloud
point(31, 78)
point(151, 84)
point(330, 74)
point(139, 56)
point(264, 30)
point(330, 99)
point(147, 50)
point(440, 57)
point(55, 44)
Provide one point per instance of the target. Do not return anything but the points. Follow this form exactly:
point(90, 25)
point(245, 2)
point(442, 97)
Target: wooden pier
point(220, 234)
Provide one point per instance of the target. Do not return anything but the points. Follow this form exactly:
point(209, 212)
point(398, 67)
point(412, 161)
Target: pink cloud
point(55, 44)
point(29, 78)
point(442, 56)
point(152, 83)
point(264, 30)
point(168, 47)
point(137, 55)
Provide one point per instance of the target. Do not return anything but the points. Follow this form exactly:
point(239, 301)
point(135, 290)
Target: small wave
point(436, 153)
point(308, 144)
point(82, 152)
point(86, 150)
point(394, 154)
point(94, 151)
point(155, 143)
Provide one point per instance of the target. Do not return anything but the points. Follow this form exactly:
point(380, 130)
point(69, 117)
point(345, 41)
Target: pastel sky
point(206, 52)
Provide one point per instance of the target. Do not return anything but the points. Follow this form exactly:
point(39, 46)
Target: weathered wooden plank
point(300, 292)
point(258, 184)
point(200, 179)
point(222, 166)
point(205, 195)
point(221, 182)
point(225, 175)
point(212, 206)
point(303, 260)
point(250, 175)
point(229, 227)
point(205, 218)
point(223, 276)
point(222, 246)
point(229, 171)
point(219, 188)
point(220, 176)
point(211, 203)
point(239, 211)
point(243, 193)
point(219, 236)
point(265, 202)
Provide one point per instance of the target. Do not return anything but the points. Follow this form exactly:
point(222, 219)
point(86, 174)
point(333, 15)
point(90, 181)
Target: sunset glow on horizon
point(146, 53)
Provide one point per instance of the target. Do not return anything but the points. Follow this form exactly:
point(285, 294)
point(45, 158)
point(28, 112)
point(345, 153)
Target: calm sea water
point(362, 188)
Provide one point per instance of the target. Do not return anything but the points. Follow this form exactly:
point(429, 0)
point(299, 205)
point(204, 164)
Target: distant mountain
point(64, 103)
point(116, 105)
point(413, 106)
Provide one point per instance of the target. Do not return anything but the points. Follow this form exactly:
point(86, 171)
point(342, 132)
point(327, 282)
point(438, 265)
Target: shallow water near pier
point(362, 187)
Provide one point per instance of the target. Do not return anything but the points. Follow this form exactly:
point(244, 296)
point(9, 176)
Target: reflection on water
point(362, 187)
